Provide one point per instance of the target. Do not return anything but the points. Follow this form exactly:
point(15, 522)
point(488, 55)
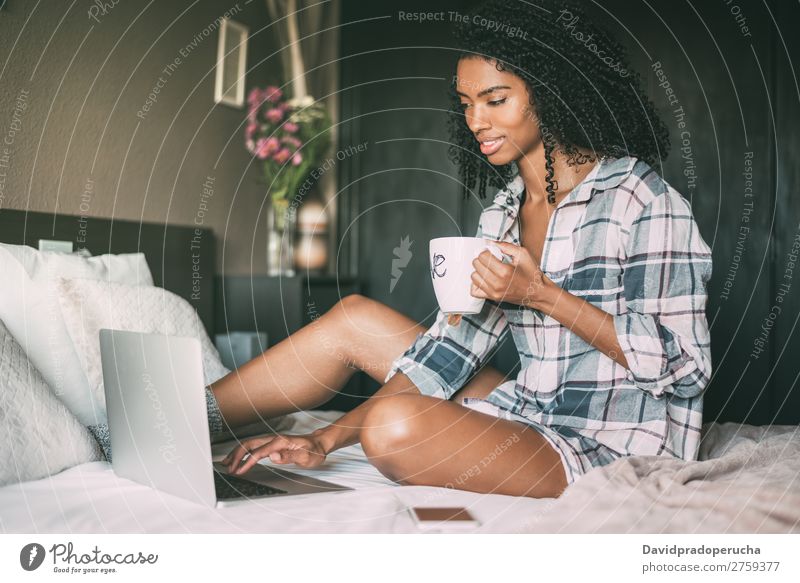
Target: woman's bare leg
point(309, 367)
point(419, 440)
point(410, 438)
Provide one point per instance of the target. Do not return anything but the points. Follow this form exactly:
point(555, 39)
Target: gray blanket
point(747, 480)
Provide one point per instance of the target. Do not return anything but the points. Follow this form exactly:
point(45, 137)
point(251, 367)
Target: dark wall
point(784, 393)
point(730, 69)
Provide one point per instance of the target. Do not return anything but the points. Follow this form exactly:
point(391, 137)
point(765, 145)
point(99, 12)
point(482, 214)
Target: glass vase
point(281, 229)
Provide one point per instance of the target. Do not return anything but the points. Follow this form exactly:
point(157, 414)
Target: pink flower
point(297, 159)
point(290, 127)
point(254, 97)
point(282, 155)
point(260, 149)
point(292, 141)
point(265, 147)
point(273, 94)
point(274, 115)
point(273, 144)
point(250, 130)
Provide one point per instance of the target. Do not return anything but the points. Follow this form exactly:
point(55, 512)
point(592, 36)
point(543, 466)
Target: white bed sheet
point(90, 498)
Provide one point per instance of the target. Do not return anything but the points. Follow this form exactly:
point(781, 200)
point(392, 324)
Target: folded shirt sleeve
point(664, 333)
point(442, 359)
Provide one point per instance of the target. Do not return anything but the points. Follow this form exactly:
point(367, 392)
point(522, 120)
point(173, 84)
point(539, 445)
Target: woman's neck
point(533, 171)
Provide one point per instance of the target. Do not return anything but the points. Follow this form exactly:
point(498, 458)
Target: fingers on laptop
point(280, 450)
point(293, 454)
point(234, 458)
point(259, 448)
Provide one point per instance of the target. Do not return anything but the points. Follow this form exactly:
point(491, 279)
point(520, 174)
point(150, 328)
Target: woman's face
point(497, 110)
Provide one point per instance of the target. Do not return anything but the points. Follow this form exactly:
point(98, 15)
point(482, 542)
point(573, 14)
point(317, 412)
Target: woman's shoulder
point(643, 183)
point(632, 183)
point(641, 190)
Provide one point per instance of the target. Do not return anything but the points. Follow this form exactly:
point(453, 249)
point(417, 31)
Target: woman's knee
point(358, 304)
point(351, 302)
point(389, 429)
point(356, 312)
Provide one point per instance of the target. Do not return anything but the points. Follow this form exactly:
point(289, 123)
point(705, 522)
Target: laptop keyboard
point(229, 487)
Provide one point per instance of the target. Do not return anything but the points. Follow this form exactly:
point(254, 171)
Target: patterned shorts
point(578, 453)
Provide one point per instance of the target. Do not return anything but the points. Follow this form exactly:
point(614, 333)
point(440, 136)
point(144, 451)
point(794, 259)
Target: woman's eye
point(493, 103)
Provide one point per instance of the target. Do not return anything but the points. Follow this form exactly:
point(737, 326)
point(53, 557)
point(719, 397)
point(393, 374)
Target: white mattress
point(90, 498)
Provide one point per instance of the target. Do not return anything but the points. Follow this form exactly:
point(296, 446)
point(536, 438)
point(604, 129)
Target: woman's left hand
point(519, 282)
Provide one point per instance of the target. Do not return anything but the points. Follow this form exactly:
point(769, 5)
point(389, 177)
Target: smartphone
point(450, 518)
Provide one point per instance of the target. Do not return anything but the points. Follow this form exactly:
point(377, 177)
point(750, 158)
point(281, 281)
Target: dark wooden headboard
point(182, 259)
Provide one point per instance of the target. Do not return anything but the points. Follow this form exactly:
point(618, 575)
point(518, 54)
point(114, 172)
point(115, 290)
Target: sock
point(216, 424)
point(100, 434)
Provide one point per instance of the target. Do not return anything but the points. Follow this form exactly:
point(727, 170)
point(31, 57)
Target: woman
point(603, 289)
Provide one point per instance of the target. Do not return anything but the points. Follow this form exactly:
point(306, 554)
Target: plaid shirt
point(625, 241)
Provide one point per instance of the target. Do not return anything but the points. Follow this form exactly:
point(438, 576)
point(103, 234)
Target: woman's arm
point(663, 338)
point(587, 321)
point(311, 450)
point(346, 430)
point(439, 363)
point(523, 283)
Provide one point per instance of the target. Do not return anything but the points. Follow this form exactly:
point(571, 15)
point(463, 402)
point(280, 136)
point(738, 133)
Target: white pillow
point(88, 305)
point(39, 435)
point(130, 268)
point(30, 309)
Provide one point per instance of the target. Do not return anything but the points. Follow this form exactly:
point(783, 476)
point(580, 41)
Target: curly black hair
point(581, 89)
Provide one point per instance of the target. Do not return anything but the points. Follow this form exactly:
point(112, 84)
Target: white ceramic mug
point(451, 272)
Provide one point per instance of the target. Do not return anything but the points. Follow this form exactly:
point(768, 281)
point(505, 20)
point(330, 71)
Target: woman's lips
point(489, 147)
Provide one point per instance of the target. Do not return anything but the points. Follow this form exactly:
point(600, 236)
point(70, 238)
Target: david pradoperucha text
point(679, 551)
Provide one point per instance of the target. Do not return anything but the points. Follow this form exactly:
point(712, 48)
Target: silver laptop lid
point(157, 413)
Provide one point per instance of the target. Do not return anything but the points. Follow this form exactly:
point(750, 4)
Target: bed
point(89, 498)
point(747, 478)
point(747, 483)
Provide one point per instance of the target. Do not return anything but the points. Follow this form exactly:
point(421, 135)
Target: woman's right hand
point(305, 451)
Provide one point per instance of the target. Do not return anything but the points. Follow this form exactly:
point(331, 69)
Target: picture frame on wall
point(231, 63)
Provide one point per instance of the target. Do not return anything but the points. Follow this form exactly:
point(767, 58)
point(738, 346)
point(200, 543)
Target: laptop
point(158, 424)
